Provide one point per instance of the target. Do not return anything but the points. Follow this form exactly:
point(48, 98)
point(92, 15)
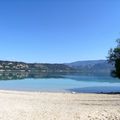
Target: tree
point(114, 59)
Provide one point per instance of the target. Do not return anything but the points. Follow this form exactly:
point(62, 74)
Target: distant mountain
point(101, 66)
point(94, 66)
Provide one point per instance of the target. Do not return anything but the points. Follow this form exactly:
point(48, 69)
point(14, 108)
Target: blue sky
point(58, 31)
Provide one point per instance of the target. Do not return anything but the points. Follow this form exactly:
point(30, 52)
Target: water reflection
point(24, 75)
point(86, 77)
point(77, 82)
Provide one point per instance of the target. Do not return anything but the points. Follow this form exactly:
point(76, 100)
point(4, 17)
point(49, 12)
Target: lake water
point(64, 83)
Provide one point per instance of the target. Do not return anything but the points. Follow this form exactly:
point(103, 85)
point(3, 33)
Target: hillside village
point(29, 67)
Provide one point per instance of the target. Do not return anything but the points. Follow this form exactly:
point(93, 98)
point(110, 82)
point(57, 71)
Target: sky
point(58, 31)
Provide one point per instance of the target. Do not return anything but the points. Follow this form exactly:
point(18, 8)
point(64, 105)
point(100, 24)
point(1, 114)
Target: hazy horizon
point(54, 62)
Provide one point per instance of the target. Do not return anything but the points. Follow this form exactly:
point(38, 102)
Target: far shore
point(58, 106)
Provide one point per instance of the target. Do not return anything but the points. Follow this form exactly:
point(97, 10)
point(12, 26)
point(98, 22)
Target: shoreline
point(19, 105)
point(66, 92)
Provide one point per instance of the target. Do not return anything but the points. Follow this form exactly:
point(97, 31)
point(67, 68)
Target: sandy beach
point(58, 106)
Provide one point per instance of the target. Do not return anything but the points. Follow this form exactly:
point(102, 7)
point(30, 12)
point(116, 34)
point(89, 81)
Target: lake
point(85, 83)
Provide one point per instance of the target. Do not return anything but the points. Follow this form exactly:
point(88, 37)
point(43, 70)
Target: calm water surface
point(64, 83)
